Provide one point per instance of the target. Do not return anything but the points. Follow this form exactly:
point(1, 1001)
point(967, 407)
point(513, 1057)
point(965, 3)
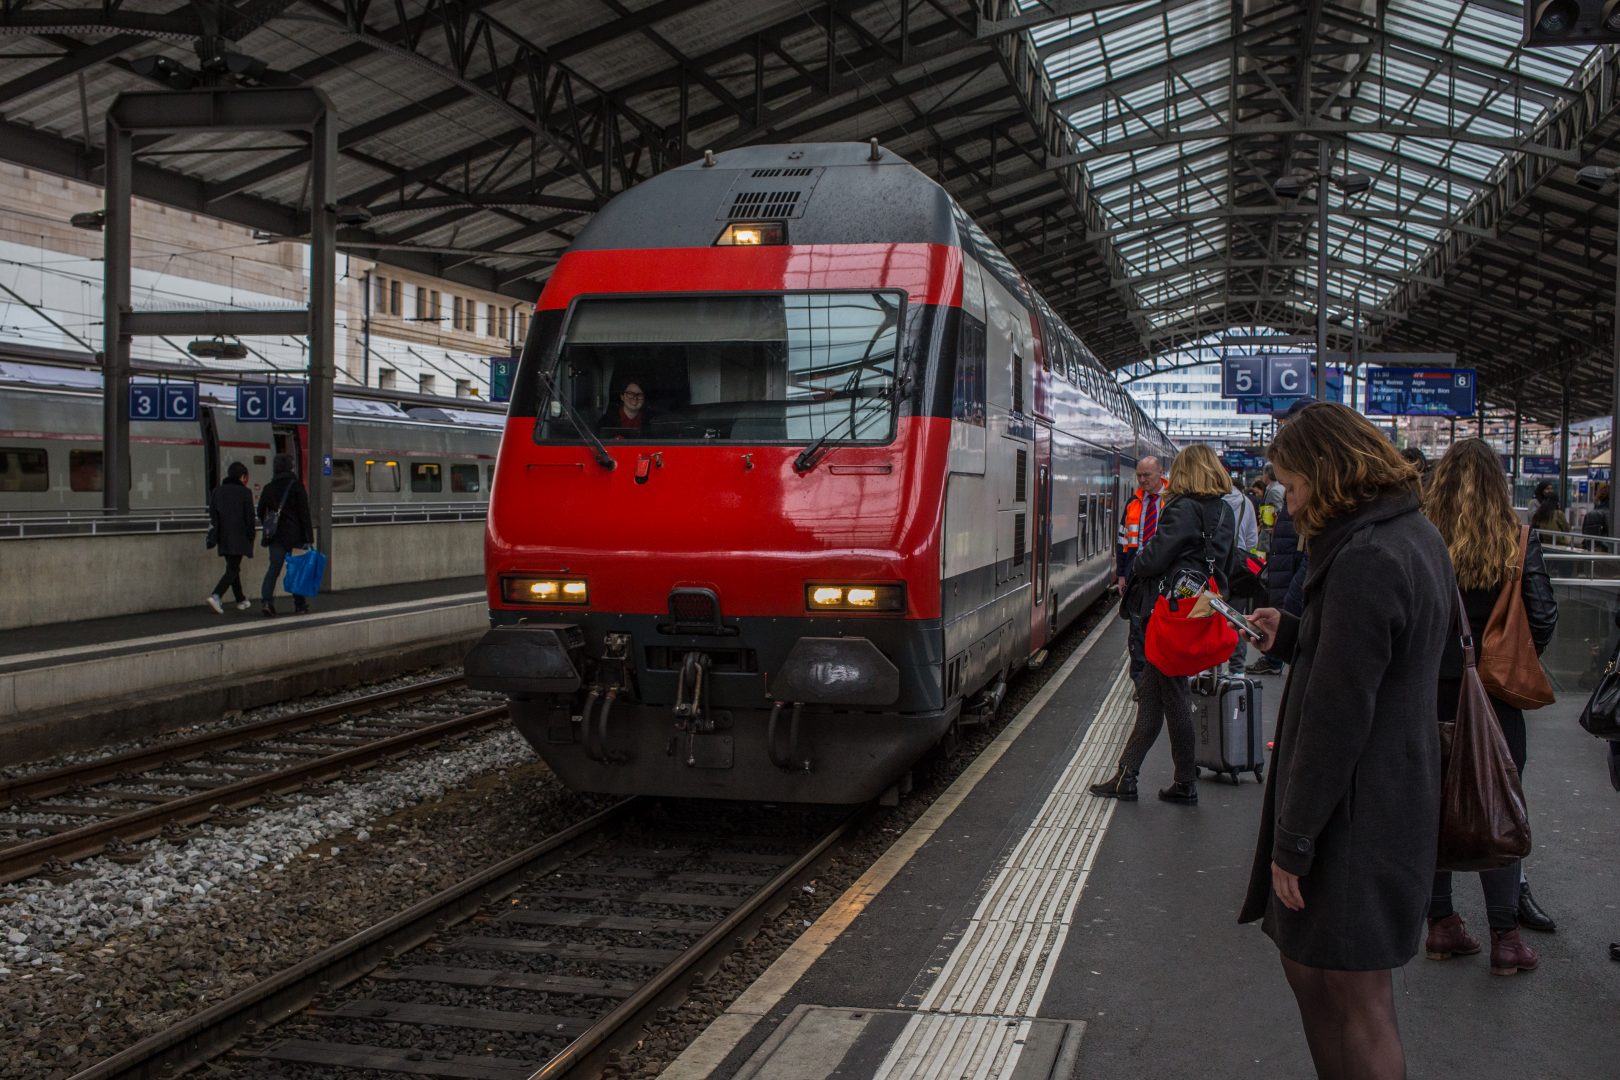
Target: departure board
point(1420, 391)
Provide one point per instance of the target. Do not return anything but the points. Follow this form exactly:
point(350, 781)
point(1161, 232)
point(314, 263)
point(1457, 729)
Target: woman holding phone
point(1348, 833)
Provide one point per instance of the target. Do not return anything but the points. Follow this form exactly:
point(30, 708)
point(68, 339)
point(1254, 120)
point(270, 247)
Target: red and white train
point(875, 475)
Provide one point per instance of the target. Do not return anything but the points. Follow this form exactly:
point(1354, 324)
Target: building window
point(386, 378)
point(342, 475)
point(470, 306)
point(23, 469)
point(425, 384)
point(396, 291)
point(464, 479)
point(522, 325)
point(425, 477)
point(423, 299)
point(382, 475)
point(379, 300)
point(84, 470)
point(464, 388)
point(434, 311)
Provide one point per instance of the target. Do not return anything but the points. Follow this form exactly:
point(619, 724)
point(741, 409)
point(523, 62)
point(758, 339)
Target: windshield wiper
point(598, 451)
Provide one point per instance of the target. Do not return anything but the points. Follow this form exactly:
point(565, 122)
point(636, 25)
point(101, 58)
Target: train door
point(288, 439)
point(1041, 607)
point(210, 440)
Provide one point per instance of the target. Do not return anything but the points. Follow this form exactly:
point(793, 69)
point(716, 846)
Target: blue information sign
point(1538, 466)
point(1420, 391)
point(253, 402)
point(146, 401)
point(289, 404)
point(502, 369)
point(179, 401)
point(1243, 376)
point(1268, 406)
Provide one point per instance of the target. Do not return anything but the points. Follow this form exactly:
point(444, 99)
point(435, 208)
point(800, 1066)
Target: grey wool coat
point(1352, 804)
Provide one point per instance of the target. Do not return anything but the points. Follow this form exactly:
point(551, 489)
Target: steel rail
point(214, 1030)
point(45, 784)
point(24, 860)
point(670, 982)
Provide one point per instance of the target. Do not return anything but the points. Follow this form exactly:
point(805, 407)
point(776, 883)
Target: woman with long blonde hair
point(1469, 503)
point(1195, 528)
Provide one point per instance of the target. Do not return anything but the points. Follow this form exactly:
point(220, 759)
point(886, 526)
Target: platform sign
point(1243, 376)
point(1269, 406)
point(253, 402)
point(179, 401)
point(1598, 474)
point(502, 370)
point(1421, 391)
point(1288, 374)
point(289, 404)
point(1243, 460)
point(146, 401)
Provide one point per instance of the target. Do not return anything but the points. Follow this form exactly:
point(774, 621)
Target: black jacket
point(1539, 604)
point(1282, 559)
point(294, 529)
point(1597, 522)
point(230, 510)
point(1352, 801)
point(1178, 544)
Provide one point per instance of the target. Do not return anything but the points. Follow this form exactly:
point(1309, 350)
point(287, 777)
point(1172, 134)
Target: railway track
point(539, 966)
point(51, 819)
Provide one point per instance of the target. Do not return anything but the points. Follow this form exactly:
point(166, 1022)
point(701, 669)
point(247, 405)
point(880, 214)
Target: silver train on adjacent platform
point(387, 452)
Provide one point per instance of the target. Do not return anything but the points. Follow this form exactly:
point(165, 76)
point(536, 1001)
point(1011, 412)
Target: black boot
point(1184, 792)
point(1531, 917)
point(1121, 786)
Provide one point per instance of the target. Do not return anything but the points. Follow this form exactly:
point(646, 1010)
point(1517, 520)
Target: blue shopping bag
point(305, 573)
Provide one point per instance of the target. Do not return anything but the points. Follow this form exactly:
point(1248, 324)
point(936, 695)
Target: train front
point(713, 548)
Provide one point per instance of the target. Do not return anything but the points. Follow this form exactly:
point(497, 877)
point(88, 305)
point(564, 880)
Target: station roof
point(1125, 155)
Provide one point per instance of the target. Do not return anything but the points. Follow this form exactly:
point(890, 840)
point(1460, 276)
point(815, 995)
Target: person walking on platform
point(1547, 514)
point(1247, 538)
point(1598, 520)
point(284, 511)
point(1349, 829)
point(1195, 529)
point(1136, 528)
point(230, 512)
point(1469, 503)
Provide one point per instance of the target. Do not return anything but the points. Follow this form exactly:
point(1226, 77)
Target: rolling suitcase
point(1226, 724)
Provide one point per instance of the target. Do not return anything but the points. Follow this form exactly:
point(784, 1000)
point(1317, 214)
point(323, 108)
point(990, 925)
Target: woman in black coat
point(1349, 830)
point(284, 495)
point(1194, 531)
point(1470, 505)
point(230, 512)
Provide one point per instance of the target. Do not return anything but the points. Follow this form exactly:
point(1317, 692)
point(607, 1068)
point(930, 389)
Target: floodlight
point(350, 213)
point(164, 72)
point(1292, 183)
point(1595, 177)
point(217, 348)
point(94, 220)
point(1352, 183)
point(1571, 22)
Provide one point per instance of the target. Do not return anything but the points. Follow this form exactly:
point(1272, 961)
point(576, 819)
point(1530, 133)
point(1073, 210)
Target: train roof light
point(752, 234)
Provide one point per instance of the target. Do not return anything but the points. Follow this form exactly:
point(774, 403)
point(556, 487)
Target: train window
point(84, 470)
point(342, 474)
point(489, 477)
point(23, 469)
point(426, 477)
point(793, 368)
point(464, 479)
point(382, 475)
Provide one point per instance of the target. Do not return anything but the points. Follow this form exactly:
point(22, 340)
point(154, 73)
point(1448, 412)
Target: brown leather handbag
point(1483, 821)
point(1508, 665)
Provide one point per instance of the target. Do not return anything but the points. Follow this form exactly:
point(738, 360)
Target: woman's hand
point(1268, 620)
point(1286, 886)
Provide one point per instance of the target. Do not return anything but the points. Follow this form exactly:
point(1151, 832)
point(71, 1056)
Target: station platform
point(1026, 929)
point(70, 685)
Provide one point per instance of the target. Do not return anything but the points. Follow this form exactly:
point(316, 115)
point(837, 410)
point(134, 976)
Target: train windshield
point(793, 368)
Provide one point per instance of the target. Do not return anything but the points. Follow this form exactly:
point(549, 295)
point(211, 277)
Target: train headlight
point(855, 597)
point(536, 590)
point(752, 234)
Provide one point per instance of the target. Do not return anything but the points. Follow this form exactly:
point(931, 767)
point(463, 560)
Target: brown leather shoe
point(1449, 937)
point(1510, 955)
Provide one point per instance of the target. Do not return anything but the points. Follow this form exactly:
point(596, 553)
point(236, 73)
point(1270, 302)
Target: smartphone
point(1235, 617)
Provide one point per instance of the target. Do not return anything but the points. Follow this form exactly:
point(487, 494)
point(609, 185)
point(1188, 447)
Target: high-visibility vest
point(1130, 527)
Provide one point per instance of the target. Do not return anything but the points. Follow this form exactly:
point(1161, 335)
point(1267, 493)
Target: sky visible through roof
point(1151, 191)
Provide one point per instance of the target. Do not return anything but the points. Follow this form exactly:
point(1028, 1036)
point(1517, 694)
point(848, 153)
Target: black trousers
point(232, 579)
point(1165, 701)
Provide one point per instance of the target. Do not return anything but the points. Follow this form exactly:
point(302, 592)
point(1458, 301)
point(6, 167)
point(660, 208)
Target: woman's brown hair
point(1468, 502)
point(1347, 461)
point(1198, 471)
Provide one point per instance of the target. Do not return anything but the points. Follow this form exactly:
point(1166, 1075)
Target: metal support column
point(1323, 165)
point(1481, 428)
point(1518, 443)
point(1614, 396)
point(322, 320)
point(1563, 445)
point(115, 478)
point(365, 330)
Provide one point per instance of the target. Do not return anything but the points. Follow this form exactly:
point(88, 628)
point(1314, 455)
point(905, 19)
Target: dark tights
point(1349, 1019)
point(1501, 886)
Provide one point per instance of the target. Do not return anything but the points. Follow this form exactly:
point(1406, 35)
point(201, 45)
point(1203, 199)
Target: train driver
point(630, 415)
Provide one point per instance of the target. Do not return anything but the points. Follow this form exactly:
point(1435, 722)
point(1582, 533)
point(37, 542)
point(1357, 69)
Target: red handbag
point(1181, 644)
